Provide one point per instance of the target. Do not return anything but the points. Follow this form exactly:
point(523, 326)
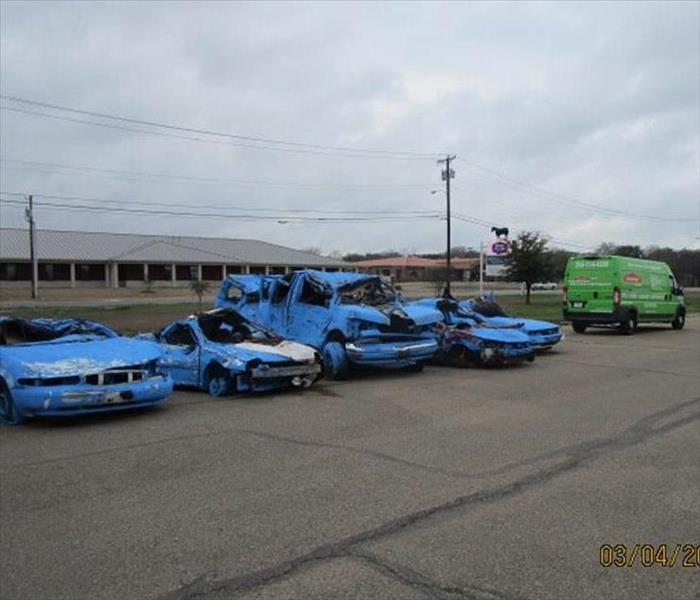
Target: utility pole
point(448, 174)
point(29, 213)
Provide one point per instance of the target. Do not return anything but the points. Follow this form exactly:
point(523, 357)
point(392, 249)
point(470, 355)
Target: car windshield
point(26, 331)
point(229, 327)
point(372, 292)
point(488, 308)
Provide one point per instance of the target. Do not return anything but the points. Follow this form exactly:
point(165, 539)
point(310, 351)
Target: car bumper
point(390, 353)
point(544, 342)
point(594, 318)
point(275, 378)
point(65, 400)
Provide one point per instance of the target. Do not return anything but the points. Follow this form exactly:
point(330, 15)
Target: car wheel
point(629, 324)
point(679, 320)
point(416, 367)
point(218, 386)
point(8, 410)
point(335, 361)
point(579, 327)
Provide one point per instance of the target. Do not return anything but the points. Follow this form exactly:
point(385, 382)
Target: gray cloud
point(597, 102)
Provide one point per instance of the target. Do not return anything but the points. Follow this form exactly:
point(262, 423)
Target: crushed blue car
point(73, 366)
point(353, 319)
point(465, 341)
point(223, 352)
point(543, 334)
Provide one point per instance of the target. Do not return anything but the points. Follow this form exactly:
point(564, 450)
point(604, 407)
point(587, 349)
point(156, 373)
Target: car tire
point(579, 327)
point(629, 324)
point(416, 367)
point(335, 361)
point(679, 319)
point(217, 381)
point(8, 409)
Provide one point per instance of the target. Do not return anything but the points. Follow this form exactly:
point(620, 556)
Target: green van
point(621, 291)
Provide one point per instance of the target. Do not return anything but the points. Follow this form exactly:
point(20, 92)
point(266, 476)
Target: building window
point(54, 272)
point(257, 269)
point(211, 272)
point(277, 270)
point(160, 272)
point(15, 271)
point(131, 272)
point(233, 269)
point(185, 272)
point(90, 272)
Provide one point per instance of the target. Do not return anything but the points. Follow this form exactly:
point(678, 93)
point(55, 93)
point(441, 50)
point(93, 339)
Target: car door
point(308, 313)
point(181, 352)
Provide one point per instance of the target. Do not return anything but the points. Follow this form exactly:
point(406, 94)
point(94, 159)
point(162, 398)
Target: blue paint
point(71, 366)
point(222, 351)
point(363, 313)
point(465, 339)
point(543, 334)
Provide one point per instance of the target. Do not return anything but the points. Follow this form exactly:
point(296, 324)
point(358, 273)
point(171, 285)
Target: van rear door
point(589, 284)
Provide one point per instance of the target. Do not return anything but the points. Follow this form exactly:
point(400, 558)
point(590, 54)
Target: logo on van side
point(632, 278)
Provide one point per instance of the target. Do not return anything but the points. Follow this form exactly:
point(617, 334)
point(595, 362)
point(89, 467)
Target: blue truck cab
point(351, 318)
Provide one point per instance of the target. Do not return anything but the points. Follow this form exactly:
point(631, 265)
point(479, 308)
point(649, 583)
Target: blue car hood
point(282, 352)
point(529, 325)
point(421, 315)
point(508, 336)
point(67, 357)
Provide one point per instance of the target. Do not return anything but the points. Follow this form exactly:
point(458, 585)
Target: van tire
point(629, 324)
point(579, 327)
point(335, 361)
point(678, 320)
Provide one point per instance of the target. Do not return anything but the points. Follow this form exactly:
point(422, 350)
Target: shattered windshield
point(371, 292)
point(488, 308)
point(231, 328)
point(26, 331)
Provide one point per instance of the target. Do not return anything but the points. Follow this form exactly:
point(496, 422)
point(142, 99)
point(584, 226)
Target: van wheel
point(679, 320)
point(8, 410)
point(579, 327)
point(335, 361)
point(629, 324)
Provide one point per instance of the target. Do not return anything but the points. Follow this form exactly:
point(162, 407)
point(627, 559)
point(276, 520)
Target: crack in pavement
point(413, 578)
point(577, 455)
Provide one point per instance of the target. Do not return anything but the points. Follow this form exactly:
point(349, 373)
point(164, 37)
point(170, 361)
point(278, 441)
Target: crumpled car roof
point(49, 329)
point(337, 279)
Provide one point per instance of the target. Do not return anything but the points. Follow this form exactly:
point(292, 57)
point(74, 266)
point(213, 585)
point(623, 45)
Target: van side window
point(280, 292)
point(313, 293)
point(234, 294)
point(180, 335)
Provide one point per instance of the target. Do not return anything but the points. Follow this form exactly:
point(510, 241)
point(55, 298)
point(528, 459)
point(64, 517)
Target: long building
point(82, 259)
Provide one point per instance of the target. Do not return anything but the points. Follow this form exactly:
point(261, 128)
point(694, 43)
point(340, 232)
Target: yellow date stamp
point(649, 555)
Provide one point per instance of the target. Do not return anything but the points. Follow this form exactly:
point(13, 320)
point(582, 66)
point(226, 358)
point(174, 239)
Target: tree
point(199, 288)
point(530, 261)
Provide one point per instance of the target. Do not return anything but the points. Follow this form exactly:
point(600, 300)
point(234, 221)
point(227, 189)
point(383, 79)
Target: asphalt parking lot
point(479, 484)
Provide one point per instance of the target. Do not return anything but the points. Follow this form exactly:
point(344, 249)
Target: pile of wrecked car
point(267, 332)
point(352, 319)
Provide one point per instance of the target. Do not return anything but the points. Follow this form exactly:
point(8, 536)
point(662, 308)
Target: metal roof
point(129, 247)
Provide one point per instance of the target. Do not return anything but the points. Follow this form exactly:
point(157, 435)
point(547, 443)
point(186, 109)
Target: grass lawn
point(124, 318)
point(548, 307)
point(151, 317)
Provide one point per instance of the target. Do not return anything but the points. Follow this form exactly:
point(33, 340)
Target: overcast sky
point(549, 108)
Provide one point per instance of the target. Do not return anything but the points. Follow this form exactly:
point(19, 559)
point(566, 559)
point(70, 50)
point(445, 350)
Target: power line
point(515, 184)
point(238, 140)
point(199, 179)
point(231, 207)
point(284, 218)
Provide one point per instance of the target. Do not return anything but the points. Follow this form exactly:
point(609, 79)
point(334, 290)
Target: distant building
point(80, 259)
point(416, 268)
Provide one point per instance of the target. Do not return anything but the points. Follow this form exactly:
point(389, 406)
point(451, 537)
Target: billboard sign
point(496, 256)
